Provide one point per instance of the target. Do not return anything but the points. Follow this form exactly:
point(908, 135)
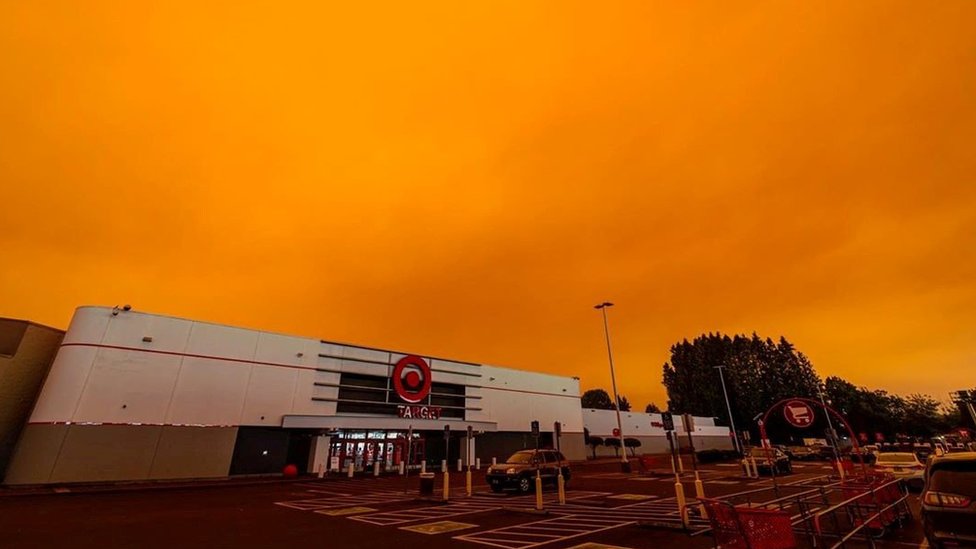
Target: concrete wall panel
point(193, 452)
point(88, 325)
point(35, 454)
point(209, 392)
point(513, 398)
point(26, 359)
point(128, 387)
point(129, 330)
point(269, 395)
point(223, 341)
point(92, 453)
point(280, 349)
point(64, 385)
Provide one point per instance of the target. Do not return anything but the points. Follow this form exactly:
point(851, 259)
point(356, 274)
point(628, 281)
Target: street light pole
point(830, 424)
point(624, 464)
point(735, 434)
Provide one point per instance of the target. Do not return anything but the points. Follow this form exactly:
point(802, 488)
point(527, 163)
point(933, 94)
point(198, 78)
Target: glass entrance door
point(389, 448)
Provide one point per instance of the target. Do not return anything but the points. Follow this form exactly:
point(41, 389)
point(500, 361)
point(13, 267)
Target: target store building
point(136, 396)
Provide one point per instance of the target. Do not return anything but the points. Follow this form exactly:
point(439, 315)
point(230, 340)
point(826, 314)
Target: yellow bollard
point(561, 484)
point(700, 493)
point(755, 468)
point(447, 486)
point(681, 465)
point(840, 469)
point(351, 470)
point(538, 492)
point(679, 494)
point(467, 481)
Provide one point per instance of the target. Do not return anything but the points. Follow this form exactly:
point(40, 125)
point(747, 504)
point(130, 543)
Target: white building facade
point(140, 396)
point(137, 396)
point(648, 431)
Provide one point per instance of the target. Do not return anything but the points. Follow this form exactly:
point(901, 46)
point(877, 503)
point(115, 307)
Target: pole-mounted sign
point(667, 420)
point(535, 429)
point(798, 413)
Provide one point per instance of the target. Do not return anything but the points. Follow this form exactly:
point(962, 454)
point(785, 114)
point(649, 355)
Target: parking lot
point(603, 507)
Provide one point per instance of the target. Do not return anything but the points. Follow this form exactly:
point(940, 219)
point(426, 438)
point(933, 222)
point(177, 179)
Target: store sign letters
point(419, 412)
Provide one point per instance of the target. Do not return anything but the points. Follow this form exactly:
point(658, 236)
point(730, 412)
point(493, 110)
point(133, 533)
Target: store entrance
point(364, 448)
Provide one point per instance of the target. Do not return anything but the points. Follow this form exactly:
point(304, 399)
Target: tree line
point(758, 372)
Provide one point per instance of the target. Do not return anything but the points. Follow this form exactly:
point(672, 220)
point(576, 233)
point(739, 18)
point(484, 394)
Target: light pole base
point(625, 466)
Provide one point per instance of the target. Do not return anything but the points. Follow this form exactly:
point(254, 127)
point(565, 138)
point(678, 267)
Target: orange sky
point(468, 179)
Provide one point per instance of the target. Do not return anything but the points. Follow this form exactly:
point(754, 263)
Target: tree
point(633, 444)
point(652, 409)
point(613, 443)
point(624, 404)
point(595, 441)
point(871, 411)
point(758, 373)
point(920, 416)
point(596, 398)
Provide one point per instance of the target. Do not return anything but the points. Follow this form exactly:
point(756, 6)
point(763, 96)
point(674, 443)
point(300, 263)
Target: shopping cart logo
point(798, 413)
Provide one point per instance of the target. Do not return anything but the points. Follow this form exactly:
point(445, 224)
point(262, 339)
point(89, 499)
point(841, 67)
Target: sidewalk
point(130, 486)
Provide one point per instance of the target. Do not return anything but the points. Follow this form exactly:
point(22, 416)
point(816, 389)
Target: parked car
point(520, 469)
point(904, 466)
point(865, 455)
point(822, 451)
point(785, 449)
point(769, 460)
point(948, 509)
point(802, 453)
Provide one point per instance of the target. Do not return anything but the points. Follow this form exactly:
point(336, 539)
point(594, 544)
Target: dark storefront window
point(363, 394)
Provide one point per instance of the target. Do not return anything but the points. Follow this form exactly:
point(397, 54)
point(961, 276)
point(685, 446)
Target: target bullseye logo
point(411, 378)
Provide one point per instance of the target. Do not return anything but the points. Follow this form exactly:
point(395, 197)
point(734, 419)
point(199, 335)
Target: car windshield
point(897, 458)
point(955, 478)
point(520, 457)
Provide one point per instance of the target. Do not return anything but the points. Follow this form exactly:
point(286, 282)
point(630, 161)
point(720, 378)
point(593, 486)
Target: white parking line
point(507, 537)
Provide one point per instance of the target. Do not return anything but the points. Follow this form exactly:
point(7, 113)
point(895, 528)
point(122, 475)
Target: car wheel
point(525, 485)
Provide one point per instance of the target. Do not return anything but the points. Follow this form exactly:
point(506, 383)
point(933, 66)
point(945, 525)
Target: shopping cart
point(747, 528)
point(876, 502)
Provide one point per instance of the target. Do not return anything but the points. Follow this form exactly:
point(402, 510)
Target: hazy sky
point(469, 179)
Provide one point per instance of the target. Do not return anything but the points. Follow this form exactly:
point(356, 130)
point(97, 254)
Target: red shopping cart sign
point(798, 413)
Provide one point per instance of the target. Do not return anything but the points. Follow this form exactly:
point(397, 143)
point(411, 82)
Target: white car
point(902, 465)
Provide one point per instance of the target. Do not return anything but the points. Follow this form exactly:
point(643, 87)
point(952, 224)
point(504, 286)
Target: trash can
point(426, 484)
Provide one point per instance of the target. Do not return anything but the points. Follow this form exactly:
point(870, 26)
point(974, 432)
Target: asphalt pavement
point(604, 507)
